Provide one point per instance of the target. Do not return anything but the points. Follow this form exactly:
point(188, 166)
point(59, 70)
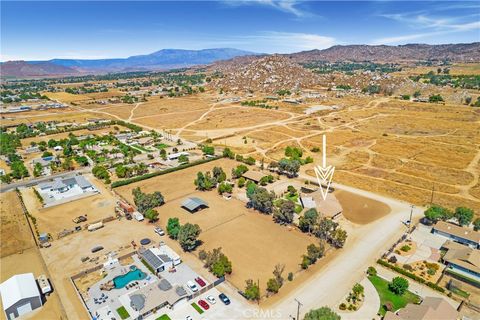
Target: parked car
point(128, 216)
point(192, 286)
point(188, 318)
point(159, 231)
point(203, 304)
point(79, 219)
point(200, 282)
point(224, 298)
point(211, 299)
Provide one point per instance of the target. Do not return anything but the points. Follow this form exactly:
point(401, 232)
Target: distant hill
point(463, 52)
point(21, 69)
point(160, 60)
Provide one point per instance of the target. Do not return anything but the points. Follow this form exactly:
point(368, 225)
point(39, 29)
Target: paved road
point(34, 181)
point(329, 286)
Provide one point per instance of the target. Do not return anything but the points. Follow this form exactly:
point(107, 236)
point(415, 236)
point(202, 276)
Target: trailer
point(44, 284)
point(138, 216)
point(95, 226)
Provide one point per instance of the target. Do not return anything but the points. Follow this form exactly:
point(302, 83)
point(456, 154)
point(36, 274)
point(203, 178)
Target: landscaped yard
point(387, 296)
point(122, 312)
point(196, 307)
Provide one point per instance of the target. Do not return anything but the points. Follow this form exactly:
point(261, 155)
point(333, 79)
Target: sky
point(106, 29)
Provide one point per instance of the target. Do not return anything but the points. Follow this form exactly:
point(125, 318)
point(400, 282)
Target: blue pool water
point(132, 275)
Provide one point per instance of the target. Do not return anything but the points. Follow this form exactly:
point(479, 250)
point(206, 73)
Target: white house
point(20, 295)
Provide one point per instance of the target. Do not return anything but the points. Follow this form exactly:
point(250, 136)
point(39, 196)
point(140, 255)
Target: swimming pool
point(132, 275)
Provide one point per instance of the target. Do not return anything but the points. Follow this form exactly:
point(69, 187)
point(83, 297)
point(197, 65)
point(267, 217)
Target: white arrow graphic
point(324, 173)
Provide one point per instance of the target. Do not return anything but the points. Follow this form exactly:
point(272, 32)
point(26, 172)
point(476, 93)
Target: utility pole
point(433, 190)
point(410, 221)
point(299, 304)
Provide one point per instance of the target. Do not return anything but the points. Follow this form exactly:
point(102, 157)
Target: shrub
point(342, 306)
point(407, 267)
point(392, 259)
point(290, 276)
point(405, 248)
point(371, 271)
point(398, 285)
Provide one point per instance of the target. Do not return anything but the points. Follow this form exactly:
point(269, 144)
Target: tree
point(82, 160)
point(216, 262)
point(358, 289)
point(278, 273)
point(272, 285)
point(188, 236)
point(19, 170)
point(314, 252)
point(252, 291)
point(173, 227)
point(151, 214)
point(325, 228)
point(261, 200)
point(227, 153)
point(239, 171)
point(241, 182)
point(291, 191)
point(323, 313)
point(225, 187)
point(398, 285)
point(308, 221)
point(464, 215)
point(338, 237)
point(218, 174)
point(436, 213)
point(47, 154)
point(284, 213)
point(417, 94)
point(145, 201)
point(37, 169)
point(208, 150)
point(435, 98)
point(290, 167)
point(476, 224)
point(183, 159)
point(204, 181)
point(100, 172)
point(163, 154)
point(121, 171)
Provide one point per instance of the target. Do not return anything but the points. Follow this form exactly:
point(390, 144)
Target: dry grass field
point(18, 253)
point(253, 242)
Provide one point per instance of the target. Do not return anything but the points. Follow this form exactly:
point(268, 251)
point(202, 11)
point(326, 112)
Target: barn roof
point(18, 287)
point(193, 203)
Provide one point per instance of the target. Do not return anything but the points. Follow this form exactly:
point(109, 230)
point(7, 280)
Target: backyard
point(386, 296)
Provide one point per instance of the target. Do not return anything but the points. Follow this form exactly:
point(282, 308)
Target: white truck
point(138, 216)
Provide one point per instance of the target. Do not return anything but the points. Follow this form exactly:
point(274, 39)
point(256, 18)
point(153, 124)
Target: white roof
point(18, 287)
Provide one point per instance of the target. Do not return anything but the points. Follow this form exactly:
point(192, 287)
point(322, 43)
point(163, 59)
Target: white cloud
point(287, 42)
point(431, 26)
point(288, 6)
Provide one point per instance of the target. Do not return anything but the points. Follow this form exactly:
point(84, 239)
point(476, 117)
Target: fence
point(206, 288)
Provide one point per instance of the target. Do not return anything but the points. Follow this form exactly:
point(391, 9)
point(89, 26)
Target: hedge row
point(410, 275)
point(120, 183)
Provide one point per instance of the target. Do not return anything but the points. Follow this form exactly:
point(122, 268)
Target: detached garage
point(20, 295)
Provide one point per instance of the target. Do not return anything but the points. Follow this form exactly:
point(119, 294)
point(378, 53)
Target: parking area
point(427, 246)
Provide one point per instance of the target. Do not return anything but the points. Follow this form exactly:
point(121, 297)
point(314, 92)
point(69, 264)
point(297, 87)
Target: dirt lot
point(253, 242)
point(359, 209)
point(57, 218)
point(20, 255)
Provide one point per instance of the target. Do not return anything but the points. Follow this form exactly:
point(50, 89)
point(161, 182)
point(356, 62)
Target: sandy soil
point(360, 209)
point(57, 218)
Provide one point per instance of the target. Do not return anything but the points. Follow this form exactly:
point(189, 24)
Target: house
point(462, 260)
point(329, 207)
point(32, 149)
point(430, 309)
point(194, 204)
point(60, 185)
point(177, 155)
point(45, 161)
point(254, 176)
point(145, 141)
point(20, 295)
point(160, 259)
point(58, 148)
point(458, 234)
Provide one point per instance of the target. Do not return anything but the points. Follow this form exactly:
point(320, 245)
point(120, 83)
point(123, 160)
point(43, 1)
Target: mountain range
point(176, 58)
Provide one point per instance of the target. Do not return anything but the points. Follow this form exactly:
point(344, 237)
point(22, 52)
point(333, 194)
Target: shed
point(194, 204)
point(20, 295)
point(254, 176)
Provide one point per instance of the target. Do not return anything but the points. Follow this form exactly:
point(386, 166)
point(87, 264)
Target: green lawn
point(139, 147)
point(386, 295)
point(161, 146)
point(196, 307)
point(163, 317)
point(123, 313)
point(293, 198)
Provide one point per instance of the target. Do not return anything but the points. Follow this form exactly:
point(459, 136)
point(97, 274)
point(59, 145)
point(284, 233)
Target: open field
point(65, 115)
point(253, 242)
point(57, 218)
point(19, 253)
